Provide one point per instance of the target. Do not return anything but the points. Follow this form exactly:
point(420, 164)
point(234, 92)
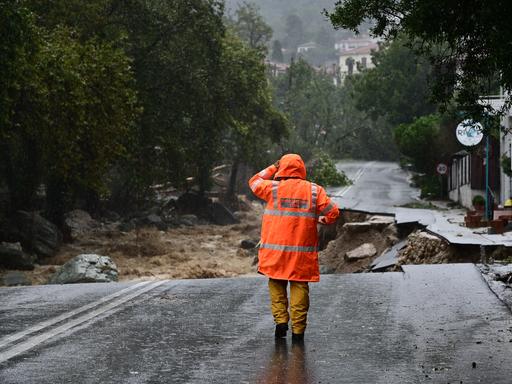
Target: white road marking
point(32, 342)
point(357, 176)
point(345, 190)
point(48, 323)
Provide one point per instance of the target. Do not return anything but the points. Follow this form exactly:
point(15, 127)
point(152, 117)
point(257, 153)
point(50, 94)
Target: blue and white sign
point(469, 133)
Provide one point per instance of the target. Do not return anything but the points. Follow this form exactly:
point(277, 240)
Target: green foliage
point(105, 98)
point(251, 120)
point(22, 96)
point(93, 109)
point(69, 105)
point(478, 200)
point(277, 52)
point(467, 45)
point(398, 87)
point(294, 30)
point(322, 170)
point(505, 165)
point(250, 26)
point(325, 116)
point(417, 139)
point(429, 185)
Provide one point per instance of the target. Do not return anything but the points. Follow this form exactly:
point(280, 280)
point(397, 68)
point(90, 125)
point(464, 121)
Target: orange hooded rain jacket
point(289, 239)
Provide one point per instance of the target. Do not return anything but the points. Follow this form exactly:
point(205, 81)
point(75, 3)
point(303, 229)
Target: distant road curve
point(377, 186)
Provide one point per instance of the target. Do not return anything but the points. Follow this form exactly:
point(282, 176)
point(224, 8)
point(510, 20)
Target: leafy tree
point(254, 123)
point(294, 29)
point(322, 170)
point(325, 37)
point(92, 110)
point(251, 27)
point(324, 116)
point(398, 87)
point(67, 107)
point(417, 141)
point(277, 52)
point(466, 43)
point(22, 99)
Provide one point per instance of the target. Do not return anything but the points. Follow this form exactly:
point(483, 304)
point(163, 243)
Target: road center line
point(36, 340)
point(345, 190)
point(48, 323)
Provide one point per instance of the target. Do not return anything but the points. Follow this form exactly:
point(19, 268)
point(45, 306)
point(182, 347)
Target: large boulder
point(221, 215)
point(13, 257)
point(193, 203)
point(362, 252)
point(188, 220)
point(380, 222)
point(203, 207)
point(77, 223)
point(36, 234)
point(357, 227)
point(153, 220)
point(86, 268)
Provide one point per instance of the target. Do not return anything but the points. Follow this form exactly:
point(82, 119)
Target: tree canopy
point(104, 98)
point(468, 44)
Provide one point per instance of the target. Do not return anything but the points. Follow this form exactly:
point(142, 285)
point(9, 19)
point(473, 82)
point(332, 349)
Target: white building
point(356, 60)
point(303, 48)
point(353, 43)
point(497, 102)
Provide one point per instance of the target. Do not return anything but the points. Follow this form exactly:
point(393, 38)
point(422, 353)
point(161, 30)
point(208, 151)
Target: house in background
point(356, 60)
point(466, 174)
point(353, 43)
point(303, 48)
point(275, 69)
point(497, 102)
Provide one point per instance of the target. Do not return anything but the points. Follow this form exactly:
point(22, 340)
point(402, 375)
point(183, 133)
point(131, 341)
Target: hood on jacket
point(291, 165)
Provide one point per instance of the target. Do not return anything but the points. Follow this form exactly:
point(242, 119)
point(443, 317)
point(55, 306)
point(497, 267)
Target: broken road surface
point(438, 323)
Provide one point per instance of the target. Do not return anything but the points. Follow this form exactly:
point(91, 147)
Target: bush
point(478, 200)
point(429, 186)
point(322, 170)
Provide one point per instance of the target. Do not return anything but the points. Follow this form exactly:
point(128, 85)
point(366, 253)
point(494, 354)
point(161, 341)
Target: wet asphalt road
point(377, 187)
point(427, 325)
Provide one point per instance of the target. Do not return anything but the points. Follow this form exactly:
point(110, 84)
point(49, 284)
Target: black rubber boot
point(281, 330)
point(297, 338)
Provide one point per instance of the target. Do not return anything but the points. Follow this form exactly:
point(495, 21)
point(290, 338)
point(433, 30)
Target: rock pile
point(424, 248)
point(86, 268)
point(358, 240)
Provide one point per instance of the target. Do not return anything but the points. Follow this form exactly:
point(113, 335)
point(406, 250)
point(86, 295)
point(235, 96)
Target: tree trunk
point(232, 190)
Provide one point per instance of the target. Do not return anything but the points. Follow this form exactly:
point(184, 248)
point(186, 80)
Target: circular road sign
point(442, 168)
point(469, 133)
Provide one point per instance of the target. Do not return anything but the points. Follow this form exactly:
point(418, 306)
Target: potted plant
point(478, 202)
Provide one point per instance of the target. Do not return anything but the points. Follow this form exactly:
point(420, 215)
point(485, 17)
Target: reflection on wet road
point(287, 365)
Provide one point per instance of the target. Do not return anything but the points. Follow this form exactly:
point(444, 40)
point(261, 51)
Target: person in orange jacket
point(289, 240)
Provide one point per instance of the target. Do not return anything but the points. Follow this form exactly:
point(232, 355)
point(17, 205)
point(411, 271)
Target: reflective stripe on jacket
point(289, 239)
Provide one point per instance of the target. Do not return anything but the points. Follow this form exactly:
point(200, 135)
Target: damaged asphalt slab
point(432, 323)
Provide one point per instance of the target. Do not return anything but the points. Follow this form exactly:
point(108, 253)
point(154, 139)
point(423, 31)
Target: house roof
point(461, 153)
point(307, 45)
point(361, 50)
point(358, 40)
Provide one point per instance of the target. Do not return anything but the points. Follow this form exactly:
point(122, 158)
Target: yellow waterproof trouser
point(299, 303)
